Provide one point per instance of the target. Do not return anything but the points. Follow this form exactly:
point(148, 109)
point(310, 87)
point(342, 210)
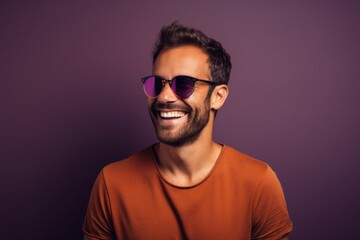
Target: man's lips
point(168, 111)
point(171, 114)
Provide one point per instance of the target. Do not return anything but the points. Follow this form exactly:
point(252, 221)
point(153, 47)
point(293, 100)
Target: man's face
point(180, 121)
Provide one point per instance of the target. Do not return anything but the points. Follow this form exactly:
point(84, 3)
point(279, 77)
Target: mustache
point(157, 106)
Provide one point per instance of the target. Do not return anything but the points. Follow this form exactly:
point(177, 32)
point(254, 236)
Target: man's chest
point(163, 213)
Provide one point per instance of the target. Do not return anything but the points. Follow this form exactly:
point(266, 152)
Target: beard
point(197, 119)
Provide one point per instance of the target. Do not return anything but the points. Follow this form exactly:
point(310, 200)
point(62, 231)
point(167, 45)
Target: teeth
point(172, 114)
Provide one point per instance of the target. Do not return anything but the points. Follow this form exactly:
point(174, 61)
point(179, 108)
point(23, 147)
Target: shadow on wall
point(64, 135)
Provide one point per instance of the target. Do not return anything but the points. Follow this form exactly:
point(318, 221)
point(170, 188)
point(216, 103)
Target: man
point(187, 186)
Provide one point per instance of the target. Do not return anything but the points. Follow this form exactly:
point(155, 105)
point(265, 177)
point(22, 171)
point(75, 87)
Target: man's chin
point(174, 141)
point(179, 139)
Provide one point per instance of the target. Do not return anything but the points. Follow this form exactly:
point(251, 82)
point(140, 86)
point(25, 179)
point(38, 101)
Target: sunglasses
point(182, 86)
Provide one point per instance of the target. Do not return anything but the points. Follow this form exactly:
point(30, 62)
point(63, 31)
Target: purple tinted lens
point(153, 86)
point(183, 86)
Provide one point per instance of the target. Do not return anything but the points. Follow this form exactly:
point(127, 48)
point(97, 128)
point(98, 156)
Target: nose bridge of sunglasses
point(169, 86)
point(164, 81)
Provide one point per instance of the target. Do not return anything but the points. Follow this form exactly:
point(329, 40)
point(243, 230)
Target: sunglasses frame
point(164, 81)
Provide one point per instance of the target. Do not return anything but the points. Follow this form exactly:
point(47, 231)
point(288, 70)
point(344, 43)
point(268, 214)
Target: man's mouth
point(171, 114)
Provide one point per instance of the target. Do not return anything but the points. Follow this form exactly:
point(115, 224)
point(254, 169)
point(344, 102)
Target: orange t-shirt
point(240, 199)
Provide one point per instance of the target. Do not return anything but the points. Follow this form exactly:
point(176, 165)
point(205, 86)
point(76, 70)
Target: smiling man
point(187, 186)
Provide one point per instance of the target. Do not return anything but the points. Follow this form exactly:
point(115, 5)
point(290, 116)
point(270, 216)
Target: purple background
point(71, 102)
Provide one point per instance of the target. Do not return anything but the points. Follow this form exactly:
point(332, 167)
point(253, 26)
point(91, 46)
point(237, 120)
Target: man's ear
point(219, 96)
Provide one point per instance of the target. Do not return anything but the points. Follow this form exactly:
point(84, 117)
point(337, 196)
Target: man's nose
point(167, 94)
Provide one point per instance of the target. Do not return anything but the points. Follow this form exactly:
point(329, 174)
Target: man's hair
point(175, 35)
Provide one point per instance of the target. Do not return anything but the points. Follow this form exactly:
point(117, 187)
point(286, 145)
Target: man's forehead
point(186, 60)
point(184, 49)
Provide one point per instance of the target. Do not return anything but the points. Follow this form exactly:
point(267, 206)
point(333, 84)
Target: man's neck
point(187, 165)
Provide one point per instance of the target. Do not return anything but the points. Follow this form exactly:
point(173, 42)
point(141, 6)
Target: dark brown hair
point(175, 35)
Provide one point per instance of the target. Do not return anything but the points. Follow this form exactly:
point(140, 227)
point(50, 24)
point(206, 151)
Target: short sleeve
point(270, 215)
point(97, 223)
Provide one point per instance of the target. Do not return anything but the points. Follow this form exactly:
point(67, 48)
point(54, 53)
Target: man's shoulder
point(135, 163)
point(242, 161)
